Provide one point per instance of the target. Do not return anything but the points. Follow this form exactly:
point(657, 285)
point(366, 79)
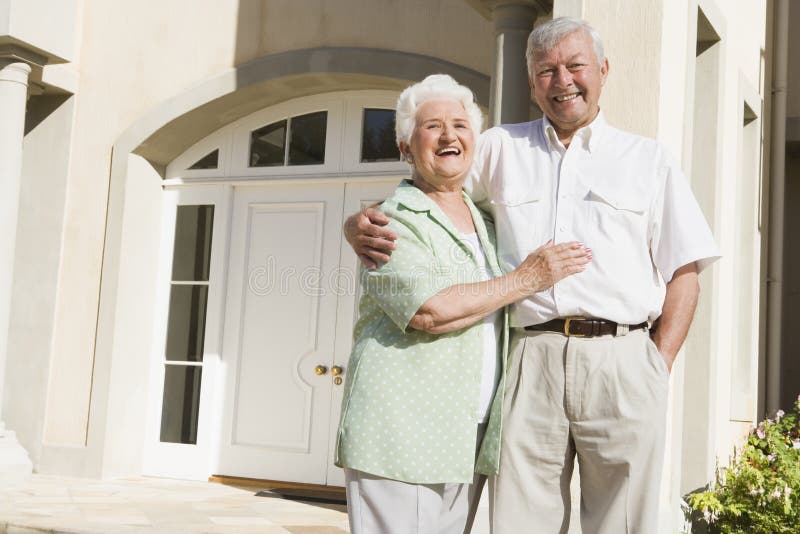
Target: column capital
point(14, 71)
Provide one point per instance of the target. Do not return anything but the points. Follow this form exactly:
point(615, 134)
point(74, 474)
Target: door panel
point(280, 325)
point(358, 195)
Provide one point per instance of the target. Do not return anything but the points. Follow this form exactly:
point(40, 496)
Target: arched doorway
point(258, 289)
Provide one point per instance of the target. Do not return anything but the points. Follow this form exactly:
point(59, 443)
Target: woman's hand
point(367, 233)
point(550, 263)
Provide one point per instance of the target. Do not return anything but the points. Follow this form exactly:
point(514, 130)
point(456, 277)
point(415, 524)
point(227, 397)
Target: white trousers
point(377, 505)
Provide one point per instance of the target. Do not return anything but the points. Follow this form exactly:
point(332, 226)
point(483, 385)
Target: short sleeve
point(411, 277)
point(680, 234)
point(476, 181)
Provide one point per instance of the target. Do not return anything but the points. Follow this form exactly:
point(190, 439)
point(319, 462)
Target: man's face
point(566, 83)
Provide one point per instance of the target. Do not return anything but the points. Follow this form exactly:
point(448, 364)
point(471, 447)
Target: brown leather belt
point(580, 327)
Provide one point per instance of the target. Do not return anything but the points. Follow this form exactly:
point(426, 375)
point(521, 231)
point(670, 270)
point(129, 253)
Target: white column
point(510, 93)
point(15, 466)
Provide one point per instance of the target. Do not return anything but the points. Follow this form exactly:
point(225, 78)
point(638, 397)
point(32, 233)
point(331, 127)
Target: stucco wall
point(793, 100)
point(134, 56)
point(37, 261)
point(448, 29)
point(49, 26)
point(632, 41)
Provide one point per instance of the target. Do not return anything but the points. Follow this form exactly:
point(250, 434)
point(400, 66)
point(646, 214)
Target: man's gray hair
point(433, 87)
point(547, 35)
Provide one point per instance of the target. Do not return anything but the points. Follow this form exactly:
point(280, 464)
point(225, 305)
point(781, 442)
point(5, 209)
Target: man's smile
point(565, 98)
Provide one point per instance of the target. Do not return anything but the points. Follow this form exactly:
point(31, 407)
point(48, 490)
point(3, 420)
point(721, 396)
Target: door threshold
point(298, 491)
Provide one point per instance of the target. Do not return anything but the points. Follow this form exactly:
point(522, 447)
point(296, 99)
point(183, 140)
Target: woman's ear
point(405, 151)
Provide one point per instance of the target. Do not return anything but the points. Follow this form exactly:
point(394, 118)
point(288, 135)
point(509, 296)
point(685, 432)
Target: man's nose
point(562, 76)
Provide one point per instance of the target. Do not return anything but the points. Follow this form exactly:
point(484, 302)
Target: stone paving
point(141, 504)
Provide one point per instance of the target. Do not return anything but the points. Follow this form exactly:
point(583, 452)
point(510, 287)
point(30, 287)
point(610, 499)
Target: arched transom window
point(333, 134)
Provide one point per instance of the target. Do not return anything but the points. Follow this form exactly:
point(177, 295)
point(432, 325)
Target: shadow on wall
point(790, 364)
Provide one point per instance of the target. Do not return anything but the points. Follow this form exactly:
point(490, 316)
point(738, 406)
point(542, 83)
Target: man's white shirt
point(618, 193)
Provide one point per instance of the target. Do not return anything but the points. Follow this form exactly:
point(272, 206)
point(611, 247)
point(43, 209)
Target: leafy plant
point(759, 493)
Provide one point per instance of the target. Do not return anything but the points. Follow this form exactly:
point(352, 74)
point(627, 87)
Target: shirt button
point(562, 228)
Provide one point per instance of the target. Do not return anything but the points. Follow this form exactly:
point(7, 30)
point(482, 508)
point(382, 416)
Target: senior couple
point(505, 325)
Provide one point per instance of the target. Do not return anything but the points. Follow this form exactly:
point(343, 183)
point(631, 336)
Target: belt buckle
point(567, 321)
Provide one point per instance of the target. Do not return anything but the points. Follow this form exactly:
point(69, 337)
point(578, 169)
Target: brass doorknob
point(336, 370)
point(320, 370)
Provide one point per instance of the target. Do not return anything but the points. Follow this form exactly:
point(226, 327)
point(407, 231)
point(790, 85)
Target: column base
point(15, 465)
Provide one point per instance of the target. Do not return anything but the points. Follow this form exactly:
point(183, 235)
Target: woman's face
point(442, 142)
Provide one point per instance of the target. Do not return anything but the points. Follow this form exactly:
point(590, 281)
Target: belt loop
point(622, 330)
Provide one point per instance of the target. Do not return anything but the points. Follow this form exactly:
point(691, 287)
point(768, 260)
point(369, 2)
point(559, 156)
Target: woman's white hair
point(547, 35)
point(433, 87)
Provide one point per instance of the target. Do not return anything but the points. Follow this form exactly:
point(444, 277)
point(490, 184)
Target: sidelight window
point(186, 323)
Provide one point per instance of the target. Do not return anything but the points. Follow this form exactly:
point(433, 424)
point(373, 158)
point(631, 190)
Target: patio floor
point(141, 504)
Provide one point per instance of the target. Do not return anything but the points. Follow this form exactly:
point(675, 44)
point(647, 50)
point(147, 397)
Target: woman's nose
point(448, 132)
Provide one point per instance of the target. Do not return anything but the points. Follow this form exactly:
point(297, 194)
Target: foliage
point(759, 493)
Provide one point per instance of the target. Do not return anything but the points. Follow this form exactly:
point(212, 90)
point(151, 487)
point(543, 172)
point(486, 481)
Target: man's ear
point(604, 71)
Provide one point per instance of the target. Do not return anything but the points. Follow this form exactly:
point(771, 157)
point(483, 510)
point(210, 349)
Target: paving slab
point(64, 505)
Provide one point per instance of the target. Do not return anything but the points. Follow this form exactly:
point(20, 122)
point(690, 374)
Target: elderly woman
point(425, 365)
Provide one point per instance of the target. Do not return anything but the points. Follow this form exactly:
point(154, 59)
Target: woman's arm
point(461, 305)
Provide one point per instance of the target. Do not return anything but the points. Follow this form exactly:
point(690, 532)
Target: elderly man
point(587, 375)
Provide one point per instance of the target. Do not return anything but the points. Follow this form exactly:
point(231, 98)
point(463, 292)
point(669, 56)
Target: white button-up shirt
point(618, 193)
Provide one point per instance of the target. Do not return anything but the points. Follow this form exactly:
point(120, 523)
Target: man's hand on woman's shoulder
point(371, 240)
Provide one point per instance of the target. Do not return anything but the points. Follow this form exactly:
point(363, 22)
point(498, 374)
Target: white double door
point(291, 305)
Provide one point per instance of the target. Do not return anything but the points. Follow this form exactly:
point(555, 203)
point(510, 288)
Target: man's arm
point(366, 232)
point(677, 313)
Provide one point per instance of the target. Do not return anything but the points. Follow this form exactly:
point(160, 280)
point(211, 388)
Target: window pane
point(268, 145)
point(186, 326)
point(191, 255)
point(209, 161)
point(307, 146)
point(378, 136)
point(180, 406)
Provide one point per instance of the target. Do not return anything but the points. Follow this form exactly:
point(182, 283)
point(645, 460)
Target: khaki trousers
point(602, 399)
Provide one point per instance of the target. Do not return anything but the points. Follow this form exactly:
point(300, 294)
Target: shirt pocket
point(617, 214)
point(511, 197)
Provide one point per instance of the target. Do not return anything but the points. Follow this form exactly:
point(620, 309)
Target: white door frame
point(215, 186)
point(174, 459)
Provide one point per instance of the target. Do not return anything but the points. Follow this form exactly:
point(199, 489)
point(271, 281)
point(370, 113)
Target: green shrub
point(759, 493)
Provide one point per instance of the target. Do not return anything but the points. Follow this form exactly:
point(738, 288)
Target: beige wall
point(793, 100)
point(47, 25)
point(791, 267)
point(630, 96)
point(447, 29)
point(130, 61)
point(134, 56)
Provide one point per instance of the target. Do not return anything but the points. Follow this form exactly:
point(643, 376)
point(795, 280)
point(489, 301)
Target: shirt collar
point(589, 134)
point(414, 199)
